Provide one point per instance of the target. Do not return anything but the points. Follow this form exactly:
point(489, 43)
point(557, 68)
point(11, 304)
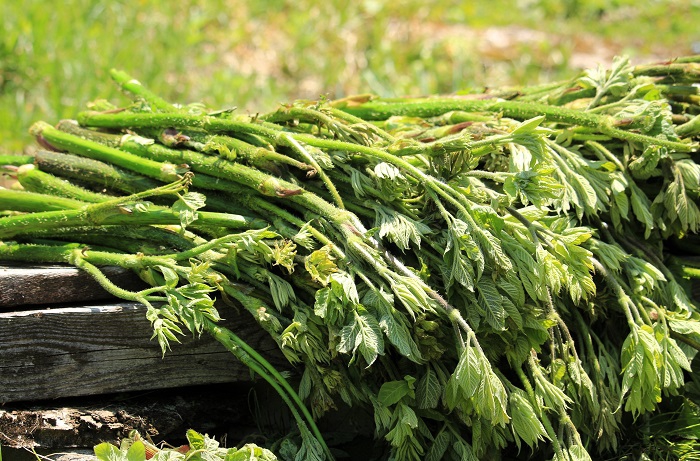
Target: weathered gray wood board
point(46, 353)
point(23, 285)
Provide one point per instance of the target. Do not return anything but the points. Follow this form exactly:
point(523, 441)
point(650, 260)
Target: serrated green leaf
point(456, 267)
point(281, 290)
point(343, 286)
point(394, 324)
point(399, 228)
point(187, 205)
point(467, 375)
point(554, 397)
point(645, 166)
point(579, 453)
point(170, 276)
point(428, 390)
point(251, 452)
point(641, 360)
point(641, 206)
point(526, 424)
point(412, 293)
point(513, 313)
point(491, 303)
point(304, 238)
point(463, 451)
point(320, 264)
point(690, 173)
point(613, 82)
point(439, 446)
point(392, 392)
point(491, 399)
point(363, 334)
point(311, 449)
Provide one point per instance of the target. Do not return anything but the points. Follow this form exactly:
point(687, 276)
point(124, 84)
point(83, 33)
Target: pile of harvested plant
point(490, 276)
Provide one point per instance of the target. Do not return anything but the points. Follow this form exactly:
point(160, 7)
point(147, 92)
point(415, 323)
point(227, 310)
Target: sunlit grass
point(54, 56)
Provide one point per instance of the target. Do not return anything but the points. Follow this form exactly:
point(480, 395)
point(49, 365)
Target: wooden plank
point(74, 351)
point(41, 285)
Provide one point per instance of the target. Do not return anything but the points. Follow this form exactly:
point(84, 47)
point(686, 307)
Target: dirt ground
point(162, 416)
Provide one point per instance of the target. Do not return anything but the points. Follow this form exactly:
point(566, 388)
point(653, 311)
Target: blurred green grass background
point(55, 55)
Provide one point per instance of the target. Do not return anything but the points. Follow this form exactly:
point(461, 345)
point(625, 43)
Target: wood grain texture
point(73, 351)
point(40, 285)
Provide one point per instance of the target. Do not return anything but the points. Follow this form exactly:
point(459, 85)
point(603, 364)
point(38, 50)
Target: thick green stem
point(15, 160)
point(91, 149)
point(257, 156)
point(691, 272)
point(35, 180)
point(134, 87)
point(31, 202)
point(101, 215)
point(93, 171)
point(301, 151)
point(431, 107)
point(690, 128)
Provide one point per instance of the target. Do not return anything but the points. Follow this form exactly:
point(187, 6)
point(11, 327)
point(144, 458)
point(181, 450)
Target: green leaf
point(304, 238)
point(399, 228)
point(528, 126)
point(343, 286)
point(320, 264)
point(170, 276)
point(613, 82)
point(554, 397)
point(382, 415)
point(457, 268)
point(136, 452)
point(250, 452)
point(641, 206)
point(526, 424)
point(645, 166)
point(392, 392)
point(428, 390)
point(491, 246)
point(311, 449)
point(108, 452)
point(281, 290)
point(513, 313)
point(326, 306)
point(641, 360)
point(439, 446)
point(463, 451)
point(363, 334)
point(168, 455)
point(491, 399)
point(491, 303)
point(679, 207)
point(187, 205)
point(402, 437)
point(690, 173)
point(466, 379)
point(578, 453)
point(411, 291)
point(393, 323)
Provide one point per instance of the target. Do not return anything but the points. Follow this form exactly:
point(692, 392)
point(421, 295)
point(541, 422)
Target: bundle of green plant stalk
point(492, 275)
